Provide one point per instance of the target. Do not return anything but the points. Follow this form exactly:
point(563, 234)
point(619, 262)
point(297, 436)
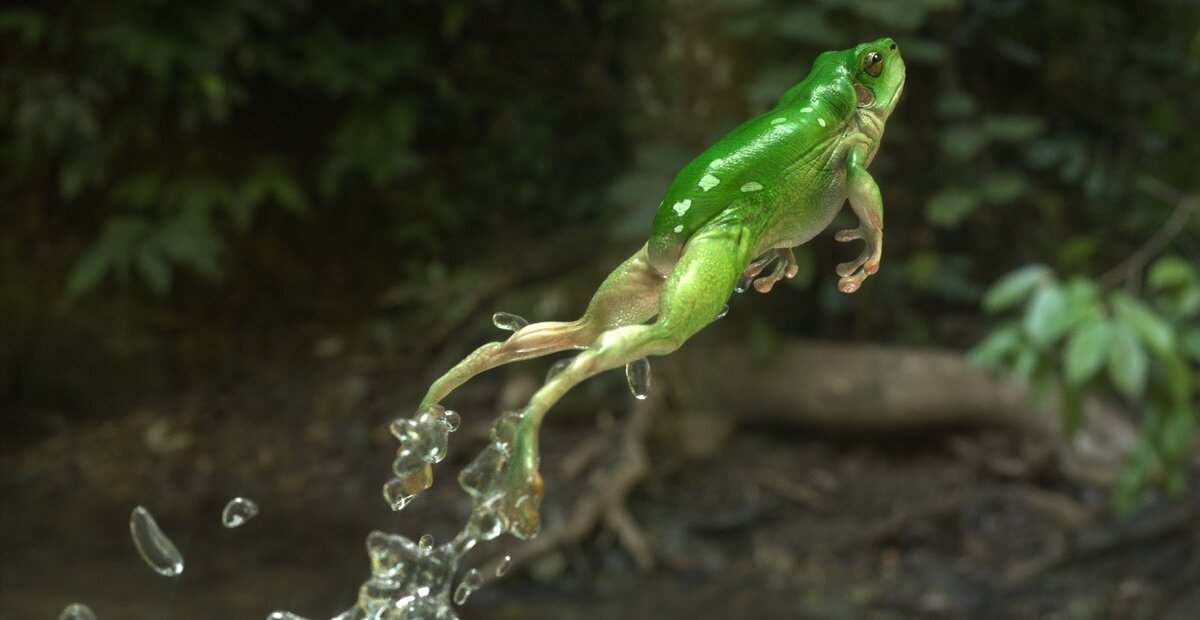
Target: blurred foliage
point(1076, 339)
point(166, 129)
point(143, 140)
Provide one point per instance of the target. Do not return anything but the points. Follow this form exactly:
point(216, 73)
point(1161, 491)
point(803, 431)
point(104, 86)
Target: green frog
point(771, 184)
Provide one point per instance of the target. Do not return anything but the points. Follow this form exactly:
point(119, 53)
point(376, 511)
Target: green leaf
point(1086, 350)
point(1047, 317)
point(154, 270)
point(1151, 328)
point(994, 349)
point(109, 252)
point(1015, 287)
point(1004, 187)
point(1014, 128)
point(1171, 272)
point(950, 206)
point(1191, 345)
point(1127, 362)
point(962, 141)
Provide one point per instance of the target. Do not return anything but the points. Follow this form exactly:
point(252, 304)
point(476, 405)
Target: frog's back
point(783, 155)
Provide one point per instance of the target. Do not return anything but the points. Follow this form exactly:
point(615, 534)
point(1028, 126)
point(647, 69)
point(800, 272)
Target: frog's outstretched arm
point(694, 292)
point(867, 203)
point(628, 296)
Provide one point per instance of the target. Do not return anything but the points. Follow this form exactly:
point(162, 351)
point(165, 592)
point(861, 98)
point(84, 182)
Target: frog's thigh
point(628, 296)
point(692, 296)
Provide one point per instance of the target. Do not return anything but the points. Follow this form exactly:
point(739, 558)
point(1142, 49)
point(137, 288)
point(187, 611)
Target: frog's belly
point(803, 216)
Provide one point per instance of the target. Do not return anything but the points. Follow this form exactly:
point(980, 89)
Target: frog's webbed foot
point(854, 272)
point(785, 267)
point(523, 489)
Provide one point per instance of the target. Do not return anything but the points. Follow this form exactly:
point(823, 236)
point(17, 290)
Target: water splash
point(503, 566)
point(637, 373)
point(238, 511)
point(508, 321)
point(412, 580)
point(77, 611)
point(155, 548)
point(423, 441)
point(471, 582)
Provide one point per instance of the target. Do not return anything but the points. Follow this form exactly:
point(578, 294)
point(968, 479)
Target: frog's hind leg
point(628, 296)
point(693, 295)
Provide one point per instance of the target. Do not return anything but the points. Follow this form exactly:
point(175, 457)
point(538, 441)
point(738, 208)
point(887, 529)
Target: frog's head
point(877, 74)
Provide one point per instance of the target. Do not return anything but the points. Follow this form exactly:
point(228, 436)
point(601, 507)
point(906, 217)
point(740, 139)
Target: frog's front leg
point(867, 203)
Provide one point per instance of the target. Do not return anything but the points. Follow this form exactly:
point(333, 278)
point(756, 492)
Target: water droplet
point(470, 583)
point(238, 511)
point(284, 615)
point(508, 322)
point(637, 373)
point(425, 544)
point(722, 313)
point(503, 566)
point(451, 420)
point(155, 548)
point(77, 611)
point(395, 495)
point(557, 367)
point(743, 284)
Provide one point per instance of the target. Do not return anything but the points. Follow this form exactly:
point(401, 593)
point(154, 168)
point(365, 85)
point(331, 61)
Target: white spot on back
point(717, 163)
point(806, 109)
point(781, 119)
point(821, 122)
point(682, 206)
point(708, 182)
point(752, 186)
point(679, 228)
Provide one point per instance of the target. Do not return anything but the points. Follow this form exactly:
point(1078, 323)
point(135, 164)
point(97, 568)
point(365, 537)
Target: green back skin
point(781, 176)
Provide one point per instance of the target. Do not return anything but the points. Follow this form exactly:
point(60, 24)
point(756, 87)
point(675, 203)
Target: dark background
point(238, 237)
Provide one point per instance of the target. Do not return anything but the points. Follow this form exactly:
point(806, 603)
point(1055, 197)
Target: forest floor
point(761, 520)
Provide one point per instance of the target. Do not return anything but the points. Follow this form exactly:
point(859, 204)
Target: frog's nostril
point(892, 46)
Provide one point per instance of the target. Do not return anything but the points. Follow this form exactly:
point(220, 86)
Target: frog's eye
point(873, 64)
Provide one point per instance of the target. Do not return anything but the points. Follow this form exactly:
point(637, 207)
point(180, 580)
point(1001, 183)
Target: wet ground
point(777, 524)
point(771, 521)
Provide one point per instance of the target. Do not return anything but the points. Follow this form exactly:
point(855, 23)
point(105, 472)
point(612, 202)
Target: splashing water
point(423, 441)
point(77, 611)
point(503, 566)
point(471, 582)
point(155, 548)
point(508, 321)
point(637, 373)
point(412, 580)
point(238, 511)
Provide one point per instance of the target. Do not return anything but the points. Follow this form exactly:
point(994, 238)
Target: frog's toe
point(850, 284)
point(845, 269)
point(846, 236)
point(522, 498)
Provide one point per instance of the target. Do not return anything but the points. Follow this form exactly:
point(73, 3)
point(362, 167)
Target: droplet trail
point(503, 566)
point(238, 511)
point(470, 583)
point(155, 548)
point(508, 321)
point(637, 373)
